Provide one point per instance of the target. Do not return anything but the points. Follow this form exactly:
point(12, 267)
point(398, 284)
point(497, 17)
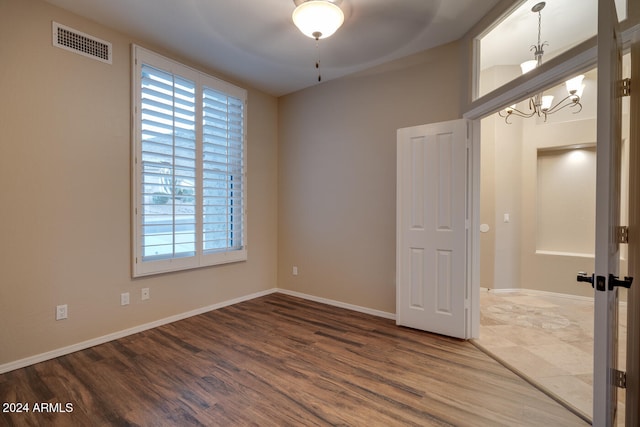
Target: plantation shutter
point(189, 154)
point(223, 170)
point(168, 126)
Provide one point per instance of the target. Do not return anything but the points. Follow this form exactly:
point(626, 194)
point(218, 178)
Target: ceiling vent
point(81, 43)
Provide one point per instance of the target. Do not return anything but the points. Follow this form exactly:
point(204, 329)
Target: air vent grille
point(81, 43)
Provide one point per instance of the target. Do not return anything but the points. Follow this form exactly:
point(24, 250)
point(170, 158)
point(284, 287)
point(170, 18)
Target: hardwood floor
point(279, 360)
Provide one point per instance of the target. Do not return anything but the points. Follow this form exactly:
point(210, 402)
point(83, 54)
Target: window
point(506, 45)
point(188, 161)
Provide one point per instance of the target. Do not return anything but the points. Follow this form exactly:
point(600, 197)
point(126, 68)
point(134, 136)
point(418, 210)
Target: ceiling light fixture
point(318, 19)
point(540, 105)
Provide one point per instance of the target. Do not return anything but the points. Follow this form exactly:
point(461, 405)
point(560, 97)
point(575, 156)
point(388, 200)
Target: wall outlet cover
point(61, 312)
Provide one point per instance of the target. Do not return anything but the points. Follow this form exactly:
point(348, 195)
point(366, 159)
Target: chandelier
point(542, 105)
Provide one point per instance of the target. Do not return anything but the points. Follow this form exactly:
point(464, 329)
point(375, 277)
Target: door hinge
point(626, 87)
point(619, 378)
point(622, 234)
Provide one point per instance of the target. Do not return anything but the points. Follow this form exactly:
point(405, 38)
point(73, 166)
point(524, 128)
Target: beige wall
point(337, 174)
point(549, 272)
point(500, 191)
point(566, 200)
point(65, 210)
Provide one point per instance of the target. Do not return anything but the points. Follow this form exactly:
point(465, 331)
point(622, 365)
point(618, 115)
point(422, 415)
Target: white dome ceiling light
point(318, 19)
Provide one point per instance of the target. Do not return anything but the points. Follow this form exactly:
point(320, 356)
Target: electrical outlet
point(144, 294)
point(61, 312)
point(124, 298)
point(295, 270)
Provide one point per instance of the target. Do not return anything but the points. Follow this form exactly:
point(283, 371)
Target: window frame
point(201, 258)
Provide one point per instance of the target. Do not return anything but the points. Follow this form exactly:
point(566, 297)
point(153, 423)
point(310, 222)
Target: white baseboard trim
point(559, 295)
point(32, 360)
point(358, 308)
point(537, 292)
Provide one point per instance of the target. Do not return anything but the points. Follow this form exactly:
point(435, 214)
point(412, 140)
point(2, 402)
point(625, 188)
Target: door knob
point(615, 281)
point(583, 277)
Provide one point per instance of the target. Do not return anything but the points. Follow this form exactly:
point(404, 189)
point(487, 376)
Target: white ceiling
point(565, 23)
point(256, 41)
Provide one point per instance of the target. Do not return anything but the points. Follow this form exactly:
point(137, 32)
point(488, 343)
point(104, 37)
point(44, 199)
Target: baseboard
point(504, 291)
point(558, 295)
point(360, 309)
point(126, 332)
point(32, 360)
point(537, 292)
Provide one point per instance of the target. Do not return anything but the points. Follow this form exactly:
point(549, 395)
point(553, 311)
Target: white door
point(431, 284)
point(607, 254)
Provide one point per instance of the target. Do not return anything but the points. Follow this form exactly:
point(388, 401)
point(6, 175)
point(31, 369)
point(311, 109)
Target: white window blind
point(223, 137)
point(168, 134)
point(189, 180)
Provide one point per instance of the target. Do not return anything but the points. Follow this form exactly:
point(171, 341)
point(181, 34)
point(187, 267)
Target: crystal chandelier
point(542, 105)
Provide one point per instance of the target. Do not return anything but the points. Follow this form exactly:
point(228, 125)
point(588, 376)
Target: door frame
point(607, 250)
point(579, 59)
point(632, 416)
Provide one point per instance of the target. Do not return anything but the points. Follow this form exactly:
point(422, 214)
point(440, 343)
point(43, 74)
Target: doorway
point(537, 213)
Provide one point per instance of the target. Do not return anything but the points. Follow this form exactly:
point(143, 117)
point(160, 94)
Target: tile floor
point(549, 339)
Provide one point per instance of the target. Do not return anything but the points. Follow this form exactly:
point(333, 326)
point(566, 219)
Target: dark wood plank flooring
point(279, 360)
